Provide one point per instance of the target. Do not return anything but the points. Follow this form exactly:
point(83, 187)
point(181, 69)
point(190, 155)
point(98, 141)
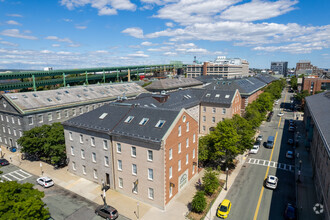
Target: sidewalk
point(231, 178)
point(177, 209)
point(305, 189)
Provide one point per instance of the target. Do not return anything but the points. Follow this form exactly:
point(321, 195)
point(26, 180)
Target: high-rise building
point(228, 68)
point(279, 68)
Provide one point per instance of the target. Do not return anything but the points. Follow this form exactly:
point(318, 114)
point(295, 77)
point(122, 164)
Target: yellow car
point(224, 209)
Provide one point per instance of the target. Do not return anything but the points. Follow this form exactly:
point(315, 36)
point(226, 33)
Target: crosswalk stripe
point(6, 177)
point(27, 174)
point(273, 164)
point(17, 174)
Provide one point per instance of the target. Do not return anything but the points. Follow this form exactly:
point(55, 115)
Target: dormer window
point(160, 123)
point(129, 119)
point(144, 121)
point(208, 95)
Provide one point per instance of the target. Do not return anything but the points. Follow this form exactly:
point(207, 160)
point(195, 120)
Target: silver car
point(271, 182)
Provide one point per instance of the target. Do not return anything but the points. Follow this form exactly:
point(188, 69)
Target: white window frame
point(19, 121)
point(66, 113)
point(105, 145)
point(74, 165)
point(94, 157)
point(149, 152)
point(72, 150)
point(14, 130)
point(1, 117)
point(93, 141)
point(204, 108)
point(204, 118)
point(213, 119)
point(84, 169)
point(30, 117)
point(179, 165)
point(223, 111)
point(132, 151)
point(120, 165)
point(7, 118)
point(74, 113)
point(187, 124)
point(179, 131)
point(194, 152)
point(213, 110)
point(179, 148)
point(118, 147)
point(151, 195)
point(70, 136)
point(150, 174)
point(134, 172)
point(82, 153)
point(171, 191)
point(120, 182)
point(106, 161)
point(187, 159)
point(170, 154)
point(95, 173)
point(170, 173)
point(58, 114)
point(129, 119)
point(187, 142)
point(12, 120)
point(50, 116)
point(194, 138)
point(81, 138)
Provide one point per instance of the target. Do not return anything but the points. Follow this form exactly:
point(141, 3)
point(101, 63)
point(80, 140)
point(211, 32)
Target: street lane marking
point(17, 174)
point(272, 164)
point(270, 158)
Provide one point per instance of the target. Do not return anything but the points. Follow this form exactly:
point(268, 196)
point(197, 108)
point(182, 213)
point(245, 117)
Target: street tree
point(21, 201)
point(210, 182)
point(199, 202)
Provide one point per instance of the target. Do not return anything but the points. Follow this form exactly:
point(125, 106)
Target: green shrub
point(199, 202)
point(210, 182)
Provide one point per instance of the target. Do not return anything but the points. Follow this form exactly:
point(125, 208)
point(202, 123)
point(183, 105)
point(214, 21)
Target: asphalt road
point(62, 204)
point(247, 194)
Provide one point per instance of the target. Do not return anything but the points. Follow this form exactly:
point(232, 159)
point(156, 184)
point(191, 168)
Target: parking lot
point(62, 204)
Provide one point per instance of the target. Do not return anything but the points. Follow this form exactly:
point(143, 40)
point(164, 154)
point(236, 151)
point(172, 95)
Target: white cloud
point(104, 7)
point(134, 32)
point(12, 22)
point(16, 33)
point(100, 52)
point(138, 54)
point(295, 48)
point(55, 38)
point(64, 53)
point(74, 45)
point(67, 20)
point(46, 51)
point(56, 45)
point(147, 43)
point(170, 53)
point(169, 24)
point(197, 50)
point(9, 43)
point(15, 15)
point(81, 27)
point(258, 10)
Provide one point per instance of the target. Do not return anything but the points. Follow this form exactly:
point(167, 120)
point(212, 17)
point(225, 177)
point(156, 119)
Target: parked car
point(280, 114)
point(289, 154)
point(271, 182)
point(290, 212)
point(45, 182)
point(270, 115)
point(291, 128)
point(255, 148)
point(259, 138)
point(107, 212)
point(290, 141)
point(276, 102)
point(3, 162)
point(224, 209)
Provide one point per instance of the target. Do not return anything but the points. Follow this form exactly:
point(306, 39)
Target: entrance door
point(107, 179)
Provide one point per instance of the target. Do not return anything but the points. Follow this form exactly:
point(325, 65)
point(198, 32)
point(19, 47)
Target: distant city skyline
point(67, 34)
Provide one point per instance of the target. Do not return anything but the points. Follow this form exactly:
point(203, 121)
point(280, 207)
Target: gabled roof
point(168, 84)
point(319, 106)
point(267, 78)
point(114, 122)
point(246, 86)
point(218, 97)
point(26, 102)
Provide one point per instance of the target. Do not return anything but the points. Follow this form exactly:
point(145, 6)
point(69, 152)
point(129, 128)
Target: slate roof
point(267, 78)
point(71, 96)
point(246, 86)
point(319, 106)
point(169, 84)
point(184, 98)
point(114, 122)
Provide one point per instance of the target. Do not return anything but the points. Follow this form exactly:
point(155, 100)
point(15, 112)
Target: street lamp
point(42, 172)
point(137, 213)
point(300, 162)
point(0, 152)
point(226, 177)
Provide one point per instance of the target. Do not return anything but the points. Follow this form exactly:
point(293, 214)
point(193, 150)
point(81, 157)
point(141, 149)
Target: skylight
point(79, 95)
point(129, 119)
point(58, 98)
point(144, 121)
point(217, 95)
point(160, 123)
point(35, 95)
point(153, 105)
point(25, 96)
point(227, 96)
point(49, 100)
point(103, 115)
point(208, 95)
point(67, 92)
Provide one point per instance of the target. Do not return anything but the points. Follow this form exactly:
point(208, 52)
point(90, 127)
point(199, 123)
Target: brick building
point(314, 84)
point(146, 153)
point(317, 121)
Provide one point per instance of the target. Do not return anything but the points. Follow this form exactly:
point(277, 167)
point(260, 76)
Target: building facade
point(306, 67)
point(228, 68)
point(317, 120)
point(20, 112)
point(279, 68)
point(146, 153)
point(315, 84)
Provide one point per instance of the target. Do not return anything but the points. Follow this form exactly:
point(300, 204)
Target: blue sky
point(67, 34)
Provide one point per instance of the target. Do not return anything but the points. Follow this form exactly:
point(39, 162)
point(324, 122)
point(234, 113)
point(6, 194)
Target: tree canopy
point(46, 143)
point(21, 201)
